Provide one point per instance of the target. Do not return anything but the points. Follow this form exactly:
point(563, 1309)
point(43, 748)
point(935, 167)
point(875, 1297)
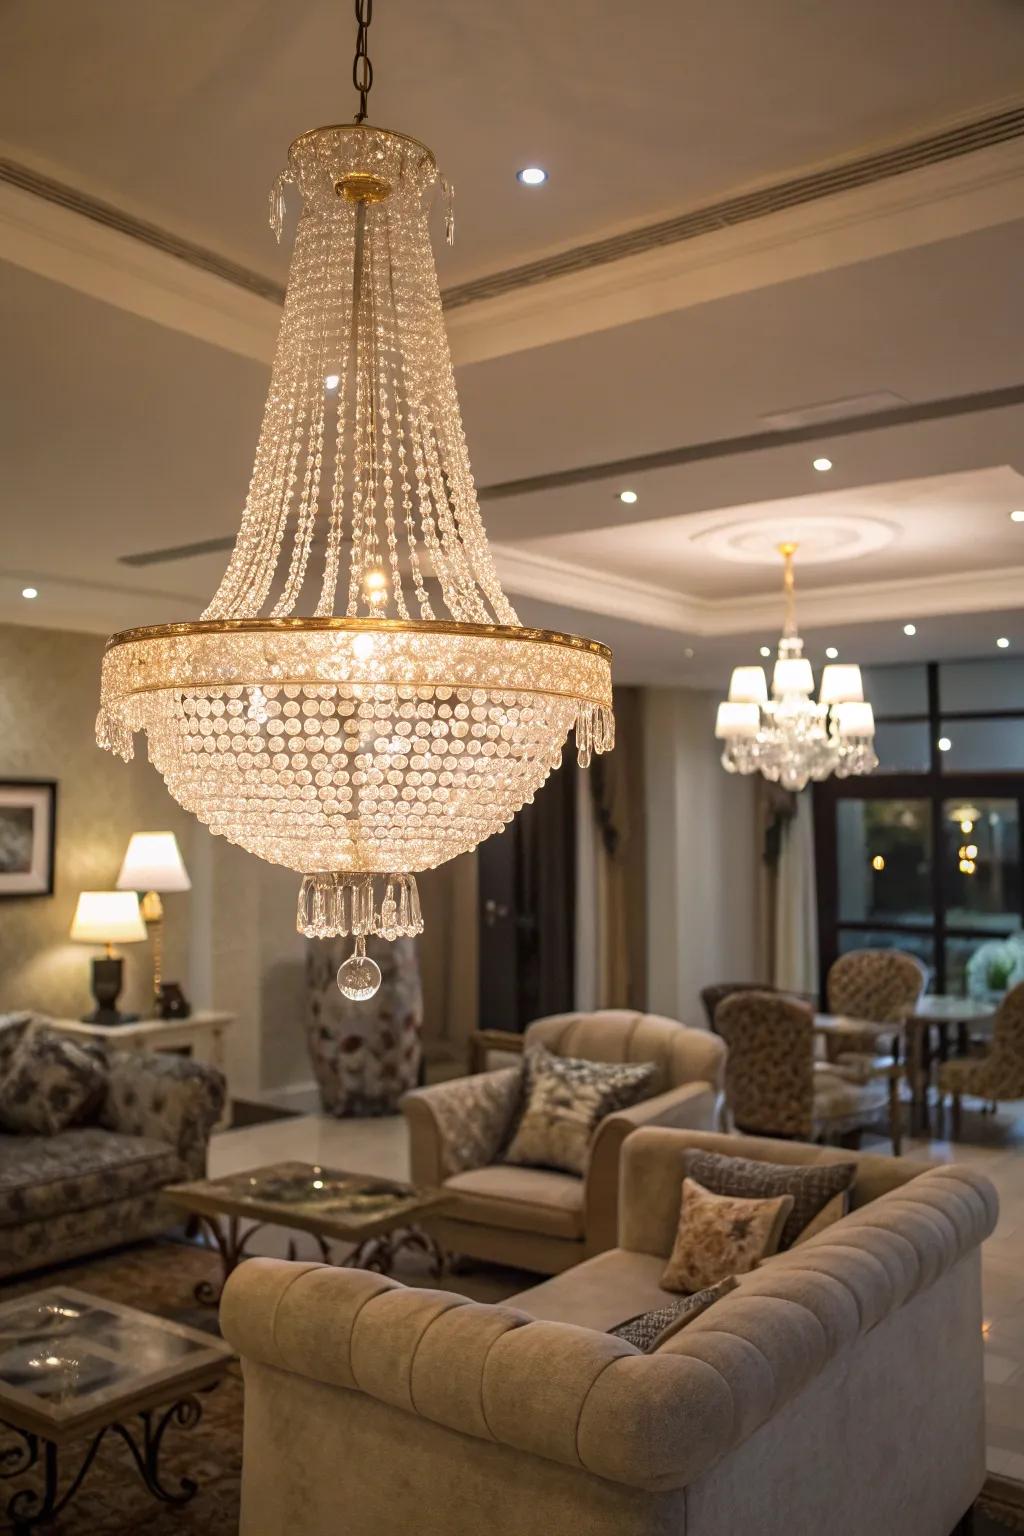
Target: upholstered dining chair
point(710, 997)
point(538, 1218)
point(774, 1086)
point(996, 1074)
point(883, 986)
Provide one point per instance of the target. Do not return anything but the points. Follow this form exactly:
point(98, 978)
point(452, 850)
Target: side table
point(201, 1036)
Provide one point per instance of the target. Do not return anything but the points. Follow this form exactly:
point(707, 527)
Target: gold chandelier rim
point(509, 633)
point(391, 133)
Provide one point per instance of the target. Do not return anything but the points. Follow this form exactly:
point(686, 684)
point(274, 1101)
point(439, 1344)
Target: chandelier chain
point(362, 69)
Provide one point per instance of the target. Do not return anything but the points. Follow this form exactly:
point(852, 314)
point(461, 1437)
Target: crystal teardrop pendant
point(359, 976)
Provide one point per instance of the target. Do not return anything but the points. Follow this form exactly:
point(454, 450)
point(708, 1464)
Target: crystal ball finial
point(359, 976)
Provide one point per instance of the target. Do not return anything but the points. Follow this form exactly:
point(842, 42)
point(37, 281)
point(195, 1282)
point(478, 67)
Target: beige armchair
point(535, 1218)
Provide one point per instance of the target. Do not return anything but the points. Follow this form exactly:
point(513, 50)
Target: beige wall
point(702, 857)
point(231, 940)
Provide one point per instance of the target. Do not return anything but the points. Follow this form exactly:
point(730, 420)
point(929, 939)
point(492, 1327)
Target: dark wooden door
point(527, 883)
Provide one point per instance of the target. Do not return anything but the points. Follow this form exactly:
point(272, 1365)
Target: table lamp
point(108, 918)
point(153, 864)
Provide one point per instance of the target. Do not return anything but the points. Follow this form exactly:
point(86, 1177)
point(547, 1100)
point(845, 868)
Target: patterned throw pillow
point(475, 1117)
point(721, 1235)
point(829, 1214)
point(812, 1185)
point(51, 1083)
point(648, 1331)
point(564, 1099)
point(12, 1030)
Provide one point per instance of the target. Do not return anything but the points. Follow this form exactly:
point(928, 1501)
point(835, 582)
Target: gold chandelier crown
point(409, 715)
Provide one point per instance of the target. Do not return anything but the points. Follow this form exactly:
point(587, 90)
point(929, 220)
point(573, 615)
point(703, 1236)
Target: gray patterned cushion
point(475, 1116)
point(812, 1185)
point(51, 1083)
point(12, 1029)
point(648, 1331)
point(44, 1176)
point(564, 1100)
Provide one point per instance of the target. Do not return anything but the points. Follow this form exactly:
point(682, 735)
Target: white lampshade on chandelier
point(790, 737)
point(359, 701)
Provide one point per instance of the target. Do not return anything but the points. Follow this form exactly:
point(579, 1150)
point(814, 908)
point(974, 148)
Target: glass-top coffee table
point(76, 1368)
point(381, 1217)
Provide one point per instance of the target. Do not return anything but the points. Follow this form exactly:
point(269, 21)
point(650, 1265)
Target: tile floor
point(992, 1144)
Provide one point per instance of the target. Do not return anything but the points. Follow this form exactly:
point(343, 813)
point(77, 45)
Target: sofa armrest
point(459, 1124)
point(167, 1098)
point(690, 1107)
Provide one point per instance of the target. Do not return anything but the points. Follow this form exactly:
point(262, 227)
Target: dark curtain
point(618, 792)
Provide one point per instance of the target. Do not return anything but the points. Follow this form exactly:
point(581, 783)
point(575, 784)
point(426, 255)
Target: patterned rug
point(158, 1277)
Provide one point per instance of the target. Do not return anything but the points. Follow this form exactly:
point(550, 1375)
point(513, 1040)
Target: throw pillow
point(12, 1031)
point(721, 1235)
point(829, 1214)
point(648, 1331)
point(475, 1117)
point(51, 1083)
point(564, 1099)
point(812, 1185)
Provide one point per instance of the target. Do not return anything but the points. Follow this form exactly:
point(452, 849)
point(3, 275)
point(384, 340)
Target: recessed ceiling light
point(910, 629)
point(29, 592)
point(332, 381)
point(532, 176)
point(944, 743)
point(688, 653)
point(1003, 643)
point(831, 652)
point(1017, 516)
point(821, 465)
point(766, 650)
point(628, 497)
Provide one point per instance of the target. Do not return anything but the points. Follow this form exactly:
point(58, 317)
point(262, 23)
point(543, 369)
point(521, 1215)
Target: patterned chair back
point(883, 986)
point(769, 1072)
point(710, 997)
point(681, 1054)
point(1006, 1058)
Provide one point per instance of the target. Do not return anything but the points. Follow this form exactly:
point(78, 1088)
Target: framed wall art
point(28, 824)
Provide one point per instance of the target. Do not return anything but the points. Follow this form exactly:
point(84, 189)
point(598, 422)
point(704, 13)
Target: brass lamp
point(108, 918)
point(153, 865)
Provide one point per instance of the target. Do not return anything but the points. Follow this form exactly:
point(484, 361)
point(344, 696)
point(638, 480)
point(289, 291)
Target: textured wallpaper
point(49, 690)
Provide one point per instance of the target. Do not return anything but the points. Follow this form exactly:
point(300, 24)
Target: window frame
point(933, 786)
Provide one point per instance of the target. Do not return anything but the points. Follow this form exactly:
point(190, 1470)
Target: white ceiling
point(131, 397)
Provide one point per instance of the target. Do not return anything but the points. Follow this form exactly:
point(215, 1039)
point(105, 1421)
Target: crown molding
point(528, 574)
point(156, 279)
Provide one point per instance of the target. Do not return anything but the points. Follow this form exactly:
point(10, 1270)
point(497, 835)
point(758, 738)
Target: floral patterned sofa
point(95, 1185)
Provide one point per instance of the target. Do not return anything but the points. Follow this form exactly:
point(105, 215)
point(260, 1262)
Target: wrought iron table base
point(30, 1507)
point(374, 1253)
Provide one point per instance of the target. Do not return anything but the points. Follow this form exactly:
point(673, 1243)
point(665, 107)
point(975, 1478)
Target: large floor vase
point(365, 1055)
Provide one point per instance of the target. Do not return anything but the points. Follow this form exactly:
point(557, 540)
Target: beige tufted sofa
point(838, 1389)
point(536, 1218)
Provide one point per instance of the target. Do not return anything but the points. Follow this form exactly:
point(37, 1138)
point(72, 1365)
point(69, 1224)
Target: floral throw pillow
point(812, 1185)
point(721, 1235)
point(564, 1099)
point(648, 1331)
point(51, 1083)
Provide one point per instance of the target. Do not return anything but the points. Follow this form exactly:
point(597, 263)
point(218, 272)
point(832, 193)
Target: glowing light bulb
point(878, 862)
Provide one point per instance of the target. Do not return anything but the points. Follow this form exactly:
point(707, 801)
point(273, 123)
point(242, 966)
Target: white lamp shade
point(792, 675)
point(855, 719)
point(153, 862)
point(108, 917)
point(748, 685)
point(841, 683)
point(737, 719)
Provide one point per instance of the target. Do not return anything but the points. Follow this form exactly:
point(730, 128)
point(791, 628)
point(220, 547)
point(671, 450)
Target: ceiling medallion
point(409, 715)
point(790, 738)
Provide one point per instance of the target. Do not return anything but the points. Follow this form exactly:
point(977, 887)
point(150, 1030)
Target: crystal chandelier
point(359, 701)
point(790, 737)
